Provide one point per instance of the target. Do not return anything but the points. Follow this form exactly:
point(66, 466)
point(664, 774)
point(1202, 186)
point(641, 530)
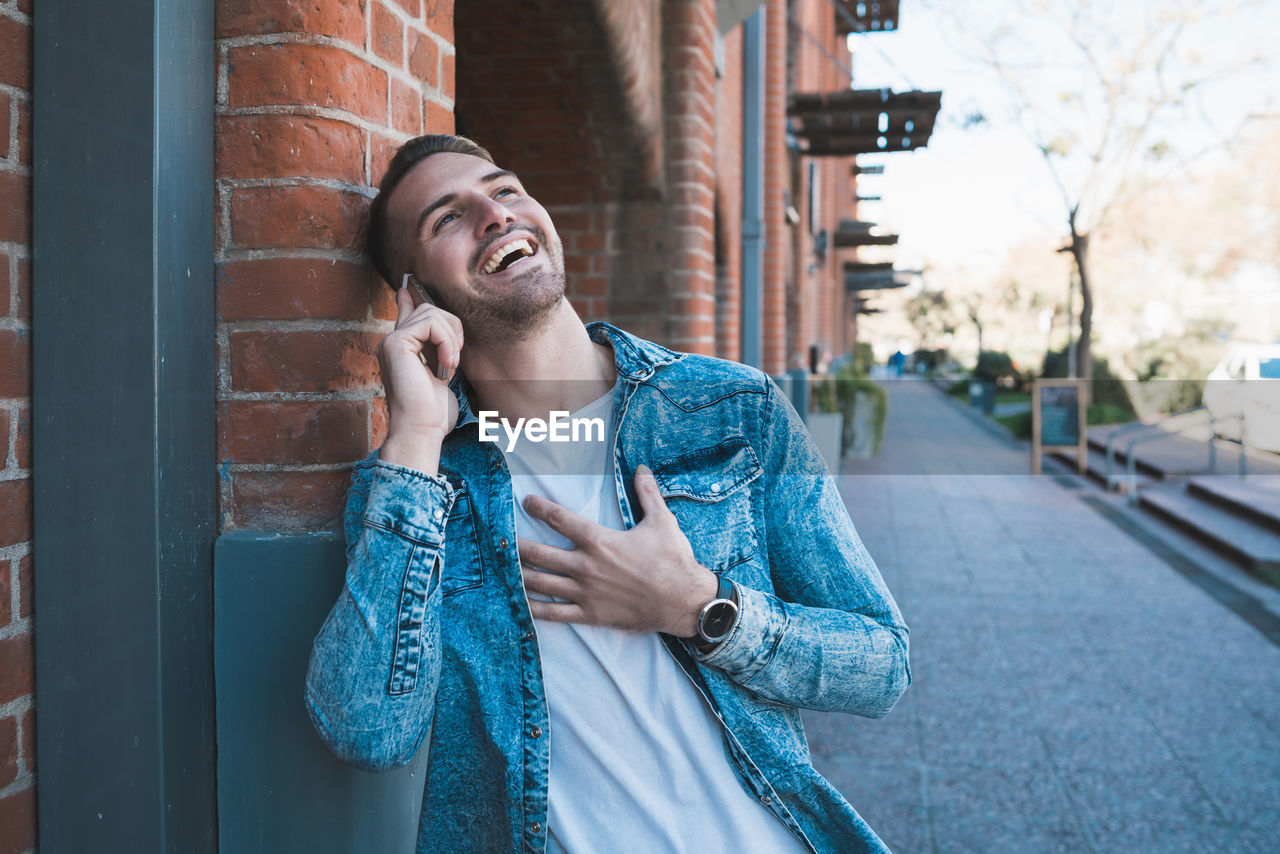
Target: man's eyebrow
point(448, 198)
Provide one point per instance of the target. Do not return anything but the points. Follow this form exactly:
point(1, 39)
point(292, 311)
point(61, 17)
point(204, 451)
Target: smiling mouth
point(508, 254)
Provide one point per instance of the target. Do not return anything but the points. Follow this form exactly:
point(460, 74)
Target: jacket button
point(536, 732)
point(495, 465)
point(502, 543)
point(766, 800)
point(715, 487)
point(535, 828)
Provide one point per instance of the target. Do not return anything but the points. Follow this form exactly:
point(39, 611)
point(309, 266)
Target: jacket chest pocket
point(708, 491)
point(463, 568)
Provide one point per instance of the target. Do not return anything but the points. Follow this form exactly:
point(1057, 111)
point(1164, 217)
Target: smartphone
point(411, 282)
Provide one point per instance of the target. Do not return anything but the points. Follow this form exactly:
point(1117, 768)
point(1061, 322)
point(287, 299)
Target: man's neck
point(555, 367)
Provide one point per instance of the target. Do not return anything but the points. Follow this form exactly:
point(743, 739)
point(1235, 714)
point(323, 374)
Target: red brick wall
point(689, 32)
point(17, 664)
point(313, 97)
point(776, 183)
point(816, 305)
point(728, 219)
point(628, 180)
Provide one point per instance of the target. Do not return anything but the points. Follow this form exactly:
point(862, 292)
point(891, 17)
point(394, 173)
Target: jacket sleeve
point(371, 682)
point(829, 636)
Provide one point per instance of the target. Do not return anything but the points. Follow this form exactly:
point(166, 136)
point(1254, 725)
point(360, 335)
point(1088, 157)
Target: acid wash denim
point(431, 638)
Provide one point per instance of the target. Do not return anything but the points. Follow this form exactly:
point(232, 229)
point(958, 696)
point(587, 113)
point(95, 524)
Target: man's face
point(482, 247)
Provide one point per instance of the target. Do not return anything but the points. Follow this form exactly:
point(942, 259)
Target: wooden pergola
point(866, 16)
point(862, 121)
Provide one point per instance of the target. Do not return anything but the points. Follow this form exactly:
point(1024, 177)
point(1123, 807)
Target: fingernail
point(442, 372)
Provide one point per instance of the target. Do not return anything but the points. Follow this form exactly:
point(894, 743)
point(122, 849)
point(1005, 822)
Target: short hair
point(378, 235)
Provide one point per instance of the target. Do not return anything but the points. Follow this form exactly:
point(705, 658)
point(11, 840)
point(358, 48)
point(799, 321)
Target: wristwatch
point(718, 617)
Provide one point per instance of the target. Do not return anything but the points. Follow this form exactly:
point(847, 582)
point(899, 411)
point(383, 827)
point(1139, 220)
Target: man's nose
point(492, 215)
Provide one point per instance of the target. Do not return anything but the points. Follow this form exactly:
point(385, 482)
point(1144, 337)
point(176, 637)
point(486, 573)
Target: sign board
point(1058, 421)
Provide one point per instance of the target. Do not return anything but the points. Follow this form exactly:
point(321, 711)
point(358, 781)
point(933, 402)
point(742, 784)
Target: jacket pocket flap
point(711, 474)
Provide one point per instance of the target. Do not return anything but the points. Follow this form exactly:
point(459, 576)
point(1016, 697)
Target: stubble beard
point(519, 310)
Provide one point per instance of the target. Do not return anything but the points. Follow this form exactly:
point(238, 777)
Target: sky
point(972, 193)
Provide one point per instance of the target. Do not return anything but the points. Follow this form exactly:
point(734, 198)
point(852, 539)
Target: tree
point(1116, 97)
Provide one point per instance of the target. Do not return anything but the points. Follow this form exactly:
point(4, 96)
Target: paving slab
point(1072, 691)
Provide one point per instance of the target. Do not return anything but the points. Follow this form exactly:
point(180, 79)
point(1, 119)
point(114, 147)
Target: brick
point(23, 307)
point(387, 34)
point(378, 422)
point(440, 18)
point(22, 440)
point(448, 76)
point(297, 217)
point(307, 75)
point(16, 668)
point(282, 288)
point(424, 57)
point(15, 207)
point(381, 149)
point(7, 569)
point(289, 500)
point(339, 19)
point(406, 108)
point(413, 7)
point(8, 751)
point(29, 739)
point(303, 361)
point(283, 146)
point(26, 586)
point(437, 118)
point(15, 53)
point(24, 132)
point(5, 123)
point(15, 363)
point(5, 300)
point(15, 514)
point(18, 818)
point(292, 432)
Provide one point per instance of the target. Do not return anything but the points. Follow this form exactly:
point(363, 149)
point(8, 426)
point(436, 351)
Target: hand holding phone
point(421, 408)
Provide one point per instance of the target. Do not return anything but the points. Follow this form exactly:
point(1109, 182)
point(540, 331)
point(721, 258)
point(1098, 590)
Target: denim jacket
point(431, 638)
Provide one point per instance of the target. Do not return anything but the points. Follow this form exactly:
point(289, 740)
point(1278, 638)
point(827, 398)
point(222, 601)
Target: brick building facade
point(624, 119)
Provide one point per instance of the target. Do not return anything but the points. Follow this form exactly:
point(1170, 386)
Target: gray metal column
point(753, 60)
point(123, 424)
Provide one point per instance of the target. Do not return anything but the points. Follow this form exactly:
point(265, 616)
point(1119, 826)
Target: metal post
point(753, 236)
point(123, 424)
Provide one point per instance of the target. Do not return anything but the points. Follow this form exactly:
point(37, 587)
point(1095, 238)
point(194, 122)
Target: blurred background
point(914, 215)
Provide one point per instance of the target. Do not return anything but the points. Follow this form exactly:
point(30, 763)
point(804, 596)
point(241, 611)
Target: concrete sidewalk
point(1071, 692)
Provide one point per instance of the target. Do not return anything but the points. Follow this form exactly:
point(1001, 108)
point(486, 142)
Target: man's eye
point(506, 191)
point(445, 220)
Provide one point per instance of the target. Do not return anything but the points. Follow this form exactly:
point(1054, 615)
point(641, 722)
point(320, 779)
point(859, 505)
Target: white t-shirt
point(638, 762)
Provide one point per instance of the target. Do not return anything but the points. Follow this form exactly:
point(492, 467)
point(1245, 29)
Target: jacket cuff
point(750, 646)
point(408, 502)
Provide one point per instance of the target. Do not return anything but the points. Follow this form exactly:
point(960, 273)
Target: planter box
point(825, 428)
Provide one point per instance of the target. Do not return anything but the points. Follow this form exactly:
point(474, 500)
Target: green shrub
point(959, 388)
point(1019, 424)
point(994, 366)
point(838, 393)
point(1107, 387)
point(1107, 413)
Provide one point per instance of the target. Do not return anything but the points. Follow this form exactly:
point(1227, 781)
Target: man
point(603, 642)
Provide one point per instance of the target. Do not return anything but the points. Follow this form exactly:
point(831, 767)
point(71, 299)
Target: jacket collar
point(633, 357)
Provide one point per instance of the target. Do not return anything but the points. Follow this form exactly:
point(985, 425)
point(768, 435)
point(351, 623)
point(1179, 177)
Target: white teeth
point(496, 259)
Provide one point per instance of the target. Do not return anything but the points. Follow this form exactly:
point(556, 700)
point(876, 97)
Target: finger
point(533, 553)
point(549, 584)
point(431, 334)
point(557, 612)
point(562, 520)
point(650, 495)
point(404, 307)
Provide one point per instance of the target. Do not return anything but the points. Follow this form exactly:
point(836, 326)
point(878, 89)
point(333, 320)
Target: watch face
point(718, 620)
